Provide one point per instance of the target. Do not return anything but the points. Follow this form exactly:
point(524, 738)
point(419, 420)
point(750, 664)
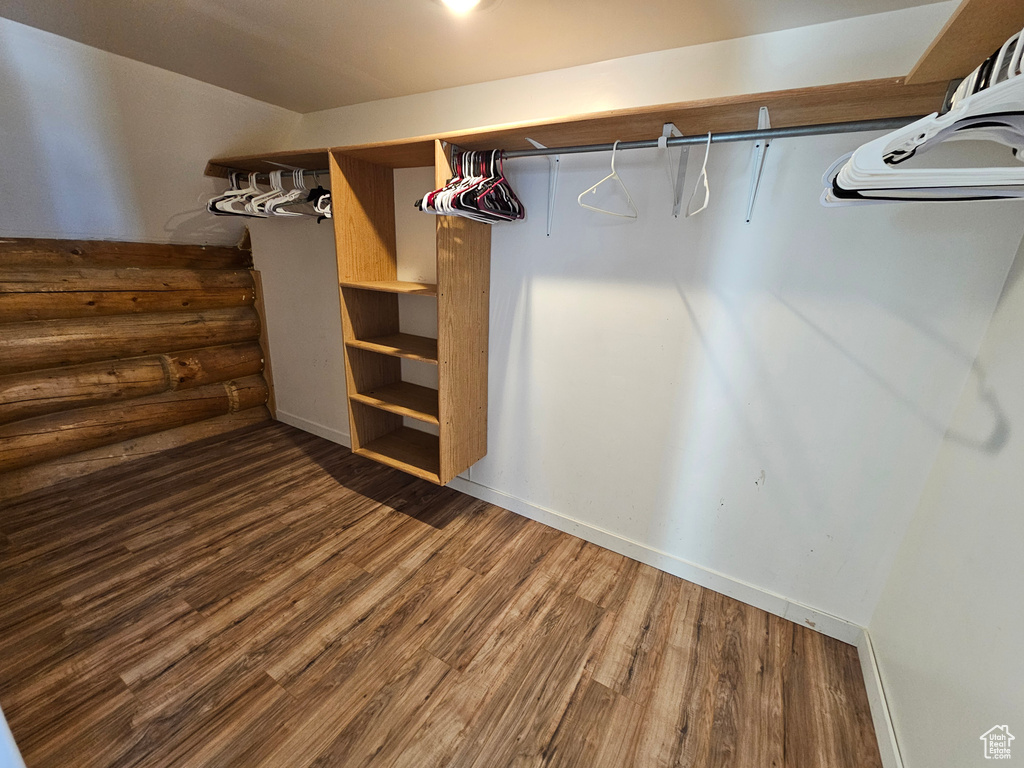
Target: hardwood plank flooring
point(266, 598)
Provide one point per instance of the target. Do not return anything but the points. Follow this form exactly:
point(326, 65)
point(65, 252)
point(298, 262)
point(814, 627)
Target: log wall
point(113, 350)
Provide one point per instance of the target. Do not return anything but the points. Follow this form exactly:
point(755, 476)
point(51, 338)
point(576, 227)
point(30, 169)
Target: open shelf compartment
point(406, 449)
point(405, 345)
point(403, 398)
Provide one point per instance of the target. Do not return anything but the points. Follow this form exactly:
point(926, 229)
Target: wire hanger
point(611, 176)
point(702, 178)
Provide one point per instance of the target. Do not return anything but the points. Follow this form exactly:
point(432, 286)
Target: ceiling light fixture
point(461, 7)
point(464, 7)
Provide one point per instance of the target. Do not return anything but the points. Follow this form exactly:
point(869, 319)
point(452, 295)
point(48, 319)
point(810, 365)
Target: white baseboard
point(815, 619)
point(328, 433)
point(880, 715)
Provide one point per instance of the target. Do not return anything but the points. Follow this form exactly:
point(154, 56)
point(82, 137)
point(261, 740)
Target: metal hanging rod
point(882, 124)
point(264, 176)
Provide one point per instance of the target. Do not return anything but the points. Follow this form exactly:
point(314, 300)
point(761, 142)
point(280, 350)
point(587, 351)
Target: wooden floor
point(268, 599)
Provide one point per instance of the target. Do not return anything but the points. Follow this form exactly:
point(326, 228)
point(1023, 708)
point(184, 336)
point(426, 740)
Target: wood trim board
point(976, 30)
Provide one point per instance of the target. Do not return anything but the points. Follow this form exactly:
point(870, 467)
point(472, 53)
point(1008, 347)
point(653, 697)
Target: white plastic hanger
point(234, 179)
point(296, 195)
point(986, 105)
point(703, 178)
point(257, 205)
point(613, 176)
point(236, 203)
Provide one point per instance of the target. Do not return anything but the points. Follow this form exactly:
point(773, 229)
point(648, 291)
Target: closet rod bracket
point(669, 130)
point(553, 164)
point(760, 153)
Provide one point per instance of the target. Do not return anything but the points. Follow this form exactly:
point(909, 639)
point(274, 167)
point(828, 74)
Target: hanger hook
point(615, 146)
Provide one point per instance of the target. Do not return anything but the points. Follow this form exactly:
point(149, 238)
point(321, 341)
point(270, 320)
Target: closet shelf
point(393, 286)
point(836, 103)
point(404, 345)
point(403, 398)
point(409, 450)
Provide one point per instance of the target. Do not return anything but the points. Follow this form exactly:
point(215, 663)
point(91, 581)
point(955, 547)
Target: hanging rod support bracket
point(678, 181)
point(553, 163)
point(764, 123)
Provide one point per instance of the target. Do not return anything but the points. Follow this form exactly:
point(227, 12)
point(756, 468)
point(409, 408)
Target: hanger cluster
point(632, 213)
point(253, 201)
point(478, 191)
point(988, 104)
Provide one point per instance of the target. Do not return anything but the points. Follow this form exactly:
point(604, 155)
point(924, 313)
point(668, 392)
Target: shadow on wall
point(991, 443)
point(1000, 432)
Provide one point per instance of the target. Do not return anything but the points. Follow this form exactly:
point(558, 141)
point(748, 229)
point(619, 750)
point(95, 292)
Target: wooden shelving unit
point(379, 400)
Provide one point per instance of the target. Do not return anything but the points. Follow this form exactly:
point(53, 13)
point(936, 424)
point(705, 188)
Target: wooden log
point(22, 307)
point(47, 474)
point(31, 252)
point(92, 280)
point(34, 393)
point(53, 343)
point(197, 367)
point(33, 441)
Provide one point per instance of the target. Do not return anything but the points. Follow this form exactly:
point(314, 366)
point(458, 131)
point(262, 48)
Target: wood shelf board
point(392, 286)
point(863, 100)
point(406, 449)
point(307, 159)
point(976, 30)
point(837, 103)
point(403, 398)
point(404, 345)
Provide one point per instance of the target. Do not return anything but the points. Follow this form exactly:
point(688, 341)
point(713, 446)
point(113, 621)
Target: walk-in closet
point(492, 383)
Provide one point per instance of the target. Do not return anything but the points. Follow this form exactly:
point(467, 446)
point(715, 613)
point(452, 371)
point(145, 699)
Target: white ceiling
point(318, 54)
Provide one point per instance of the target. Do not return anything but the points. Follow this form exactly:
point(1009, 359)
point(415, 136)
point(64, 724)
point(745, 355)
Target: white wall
point(300, 292)
point(864, 48)
point(949, 627)
point(94, 145)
